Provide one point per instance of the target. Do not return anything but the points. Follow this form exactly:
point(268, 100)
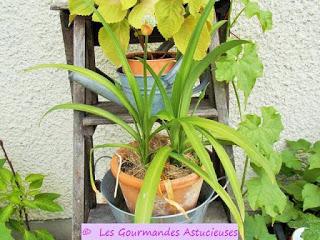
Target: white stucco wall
point(30, 34)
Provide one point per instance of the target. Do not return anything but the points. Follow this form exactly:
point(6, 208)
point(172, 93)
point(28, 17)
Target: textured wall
point(30, 34)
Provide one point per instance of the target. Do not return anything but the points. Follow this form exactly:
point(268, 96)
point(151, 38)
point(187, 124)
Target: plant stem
point(17, 183)
point(238, 99)
point(145, 83)
point(246, 164)
point(229, 18)
point(236, 18)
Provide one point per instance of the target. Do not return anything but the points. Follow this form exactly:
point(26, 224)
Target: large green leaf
point(223, 132)
point(314, 160)
point(241, 65)
point(46, 201)
point(295, 189)
point(170, 16)
point(81, 7)
point(182, 37)
point(112, 11)
point(137, 14)
point(147, 194)
point(290, 160)
point(290, 213)
point(262, 194)
point(311, 196)
point(122, 32)
point(256, 229)
point(263, 132)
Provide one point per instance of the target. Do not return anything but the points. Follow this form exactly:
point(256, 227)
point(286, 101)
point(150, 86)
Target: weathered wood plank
point(79, 53)
point(205, 109)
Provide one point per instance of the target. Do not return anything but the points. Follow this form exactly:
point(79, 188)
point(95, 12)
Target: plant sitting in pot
point(174, 19)
point(187, 135)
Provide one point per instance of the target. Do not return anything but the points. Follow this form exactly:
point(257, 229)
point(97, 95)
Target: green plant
point(186, 132)
point(299, 178)
point(20, 195)
point(175, 19)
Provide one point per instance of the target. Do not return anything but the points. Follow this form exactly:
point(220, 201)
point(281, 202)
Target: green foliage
point(171, 16)
point(17, 197)
point(311, 223)
point(265, 17)
point(256, 228)
point(242, 66)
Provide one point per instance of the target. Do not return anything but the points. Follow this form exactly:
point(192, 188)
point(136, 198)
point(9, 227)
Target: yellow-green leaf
point(122, 31)
point(111, 11)
point(182, 38)
point(126, 4)
point(81, 7)
point(169, 14)
point(145, 7)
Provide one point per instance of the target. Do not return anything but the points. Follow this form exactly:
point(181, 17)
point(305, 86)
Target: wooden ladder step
point(205, 110)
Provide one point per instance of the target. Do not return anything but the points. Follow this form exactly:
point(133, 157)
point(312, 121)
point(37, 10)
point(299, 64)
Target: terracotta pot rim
point(137, 183)
point(153, 60)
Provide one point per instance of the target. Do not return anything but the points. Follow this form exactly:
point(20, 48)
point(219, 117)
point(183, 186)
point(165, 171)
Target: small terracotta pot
point(186, 191)
point(156, 64)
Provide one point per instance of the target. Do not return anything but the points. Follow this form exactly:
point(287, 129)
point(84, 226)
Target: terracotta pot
point(156, 64)
point(186, 191)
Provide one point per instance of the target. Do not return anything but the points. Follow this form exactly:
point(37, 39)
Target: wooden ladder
point(80, 38)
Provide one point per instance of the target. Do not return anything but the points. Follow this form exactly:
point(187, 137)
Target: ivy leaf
point(263, 132)
point(290, 160)
point(262, 194)
point(111, 10)
point(295, 189)
point(122, 31)
point(300, 145)
point(255, 228)
point(241, 65)
point(170, 16)
point(5, 232)
point(311, 196)
point(314, 160)
point(144, 8)
point(43, 234)
point(81, 7)
point(6, 212)
point(311, 223)
point(265, 17)
point(182, 37)
point(290, 213)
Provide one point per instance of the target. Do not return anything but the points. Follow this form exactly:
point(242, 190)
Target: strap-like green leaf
point(147, 195)
point(224, 132)
point(213, 182)
point(96, 111)
point(229, 170)
point(98, 79)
